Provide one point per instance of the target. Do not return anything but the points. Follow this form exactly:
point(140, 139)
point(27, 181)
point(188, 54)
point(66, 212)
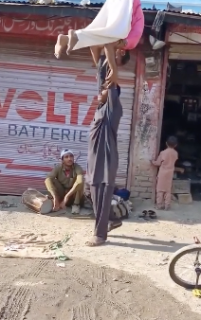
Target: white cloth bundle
point(112, 23)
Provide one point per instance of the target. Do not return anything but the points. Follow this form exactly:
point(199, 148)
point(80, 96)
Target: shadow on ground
point(180, 214)
point(154, 245)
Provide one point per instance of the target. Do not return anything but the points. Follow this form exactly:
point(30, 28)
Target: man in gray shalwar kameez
point(103, 158)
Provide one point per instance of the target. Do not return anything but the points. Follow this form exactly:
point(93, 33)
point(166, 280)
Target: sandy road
point(140, 248)
point(38, 289)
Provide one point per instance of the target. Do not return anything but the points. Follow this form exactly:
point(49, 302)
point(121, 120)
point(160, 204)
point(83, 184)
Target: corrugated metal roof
point(194, 7)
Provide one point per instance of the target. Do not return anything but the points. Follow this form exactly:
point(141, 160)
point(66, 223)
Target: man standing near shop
point(103, 157)
point(66, 184)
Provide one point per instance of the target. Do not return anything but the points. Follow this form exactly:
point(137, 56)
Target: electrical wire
point(181, 35)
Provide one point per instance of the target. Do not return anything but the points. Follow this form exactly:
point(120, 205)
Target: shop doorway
point(182, 118)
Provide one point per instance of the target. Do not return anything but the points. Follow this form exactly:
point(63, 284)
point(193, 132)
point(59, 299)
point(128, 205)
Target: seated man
point(65, 183)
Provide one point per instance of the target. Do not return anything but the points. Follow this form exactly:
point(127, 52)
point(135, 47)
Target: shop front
point(168, 102)
point(182, 107)
point(48, 104)
point(148, 111)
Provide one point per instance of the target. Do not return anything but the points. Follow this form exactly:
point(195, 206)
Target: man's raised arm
point(96, 52)
point(110, 55)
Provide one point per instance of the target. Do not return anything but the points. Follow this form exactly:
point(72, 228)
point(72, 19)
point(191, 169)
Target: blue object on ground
point(122, 193)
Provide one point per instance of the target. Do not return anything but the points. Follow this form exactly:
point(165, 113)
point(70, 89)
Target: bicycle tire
point(177, 255)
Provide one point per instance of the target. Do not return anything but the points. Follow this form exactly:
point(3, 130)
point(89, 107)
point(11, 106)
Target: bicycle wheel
point(193, 267)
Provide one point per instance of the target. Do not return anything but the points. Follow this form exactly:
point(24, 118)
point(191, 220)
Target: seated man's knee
point(46, 182)
point(80, 188)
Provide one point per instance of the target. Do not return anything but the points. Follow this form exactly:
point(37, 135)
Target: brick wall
point(142, 187)
point(147, 116)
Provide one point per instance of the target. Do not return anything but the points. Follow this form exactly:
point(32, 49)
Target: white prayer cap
point(66, 151)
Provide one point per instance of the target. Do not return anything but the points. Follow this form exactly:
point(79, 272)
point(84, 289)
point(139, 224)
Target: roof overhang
point(88, 12)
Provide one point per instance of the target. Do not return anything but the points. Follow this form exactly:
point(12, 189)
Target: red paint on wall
point(40, 25)
point(5, 160)
point(184, 29)
point(20, 183)
point(4, 106)
point(48, 106)
point(27, 167)
point(91, 112)
point(34, 68)
point(51, 116)
point(23, 111)
point(75, 100)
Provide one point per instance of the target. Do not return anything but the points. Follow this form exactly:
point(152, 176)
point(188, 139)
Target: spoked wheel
point(185, 267)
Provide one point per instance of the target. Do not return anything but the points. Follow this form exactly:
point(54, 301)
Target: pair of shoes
point(75, 209)
point(148, 214)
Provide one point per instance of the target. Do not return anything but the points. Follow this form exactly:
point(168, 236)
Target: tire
point(177, 255)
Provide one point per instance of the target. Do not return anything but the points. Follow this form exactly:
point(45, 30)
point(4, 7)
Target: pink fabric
point(137, 26)
point(166, 161)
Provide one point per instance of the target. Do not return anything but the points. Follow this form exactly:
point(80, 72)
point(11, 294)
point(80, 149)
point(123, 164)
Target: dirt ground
point(39, 289)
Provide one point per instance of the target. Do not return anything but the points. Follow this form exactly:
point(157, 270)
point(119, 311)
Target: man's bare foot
point(62, 42)
point(56, 205)
point(63, 205)
point(73, 39)
point(64, 202)
point(95, 242)
point(56, 209)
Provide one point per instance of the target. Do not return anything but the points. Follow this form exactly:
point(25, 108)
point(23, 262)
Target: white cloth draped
point(112, 23)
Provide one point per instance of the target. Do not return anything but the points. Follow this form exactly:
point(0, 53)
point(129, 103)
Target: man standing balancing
point(119, 23)
point(103, 159)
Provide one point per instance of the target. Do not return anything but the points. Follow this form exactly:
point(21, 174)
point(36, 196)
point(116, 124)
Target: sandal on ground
point(114, 225)
point(95, 242)
point(152, 214)
point(144, 214)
